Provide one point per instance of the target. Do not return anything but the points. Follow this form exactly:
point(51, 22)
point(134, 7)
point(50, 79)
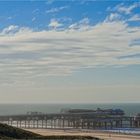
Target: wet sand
point(98, 134)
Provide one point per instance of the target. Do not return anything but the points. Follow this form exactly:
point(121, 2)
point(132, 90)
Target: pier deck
point(70, 121)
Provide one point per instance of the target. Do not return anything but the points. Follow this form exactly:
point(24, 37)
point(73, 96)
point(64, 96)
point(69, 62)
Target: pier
point(73, 119)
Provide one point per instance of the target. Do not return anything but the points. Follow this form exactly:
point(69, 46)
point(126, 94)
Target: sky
point(69, 51)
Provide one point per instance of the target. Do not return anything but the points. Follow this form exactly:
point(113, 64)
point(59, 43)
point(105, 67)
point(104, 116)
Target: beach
point(95, 133)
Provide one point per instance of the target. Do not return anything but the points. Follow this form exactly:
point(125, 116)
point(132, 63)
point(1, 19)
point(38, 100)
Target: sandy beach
point(99, 134)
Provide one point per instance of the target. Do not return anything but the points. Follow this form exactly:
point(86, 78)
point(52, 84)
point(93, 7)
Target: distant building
point(97, 111)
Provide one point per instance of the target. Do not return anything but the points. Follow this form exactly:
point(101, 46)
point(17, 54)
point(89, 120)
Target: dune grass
point(9, 132)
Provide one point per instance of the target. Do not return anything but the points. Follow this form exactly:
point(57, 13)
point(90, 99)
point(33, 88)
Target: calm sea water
point(9, 109)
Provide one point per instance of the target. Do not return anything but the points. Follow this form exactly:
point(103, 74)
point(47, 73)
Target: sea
point(130, 109)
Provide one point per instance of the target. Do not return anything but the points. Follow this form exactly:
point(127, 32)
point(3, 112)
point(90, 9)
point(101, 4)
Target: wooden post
point(46, 123)
point(25, 123)
point(20, 123)
point(42, 124)
point(28, 123)
point(105, 125)
point(17, 123)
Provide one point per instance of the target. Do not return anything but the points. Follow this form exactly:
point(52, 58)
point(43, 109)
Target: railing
point(70, 121)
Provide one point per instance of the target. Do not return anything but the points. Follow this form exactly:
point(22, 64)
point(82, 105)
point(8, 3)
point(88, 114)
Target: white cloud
point(54, 24)
point(113, 17)
point(35, 11)
point(34, 54)
point(85, 2)
point(82, 24)
point(48, 2)
point(13, 29)
point(57, 9)
point(134, 18)
point(126, 10)
point(10, 29)
point(121, 8)
point(9, 18)
point(34, 18)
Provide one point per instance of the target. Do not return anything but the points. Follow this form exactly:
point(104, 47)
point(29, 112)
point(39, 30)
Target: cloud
point(131, 56)
point(113, 17)
point(34, 18)
point(82, 24)
point(48, 2)
point(134, 18)
point(84, 2)
point(9, 18)
point(11, 29)
point(126, 10)
point(35, 11)
point(57, 9)
point(28, 55)
point(121, 8)
point(54, 24)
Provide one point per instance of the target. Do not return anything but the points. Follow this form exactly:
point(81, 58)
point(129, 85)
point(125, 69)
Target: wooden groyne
point(72, 120)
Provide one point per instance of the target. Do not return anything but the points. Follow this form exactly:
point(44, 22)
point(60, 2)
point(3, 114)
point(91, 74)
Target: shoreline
point(95, 133)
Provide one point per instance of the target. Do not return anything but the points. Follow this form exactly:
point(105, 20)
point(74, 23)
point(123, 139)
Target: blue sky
point(69, 51)
point(37, 14)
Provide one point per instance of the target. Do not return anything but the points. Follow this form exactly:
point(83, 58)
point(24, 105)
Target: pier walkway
point(71, 121)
